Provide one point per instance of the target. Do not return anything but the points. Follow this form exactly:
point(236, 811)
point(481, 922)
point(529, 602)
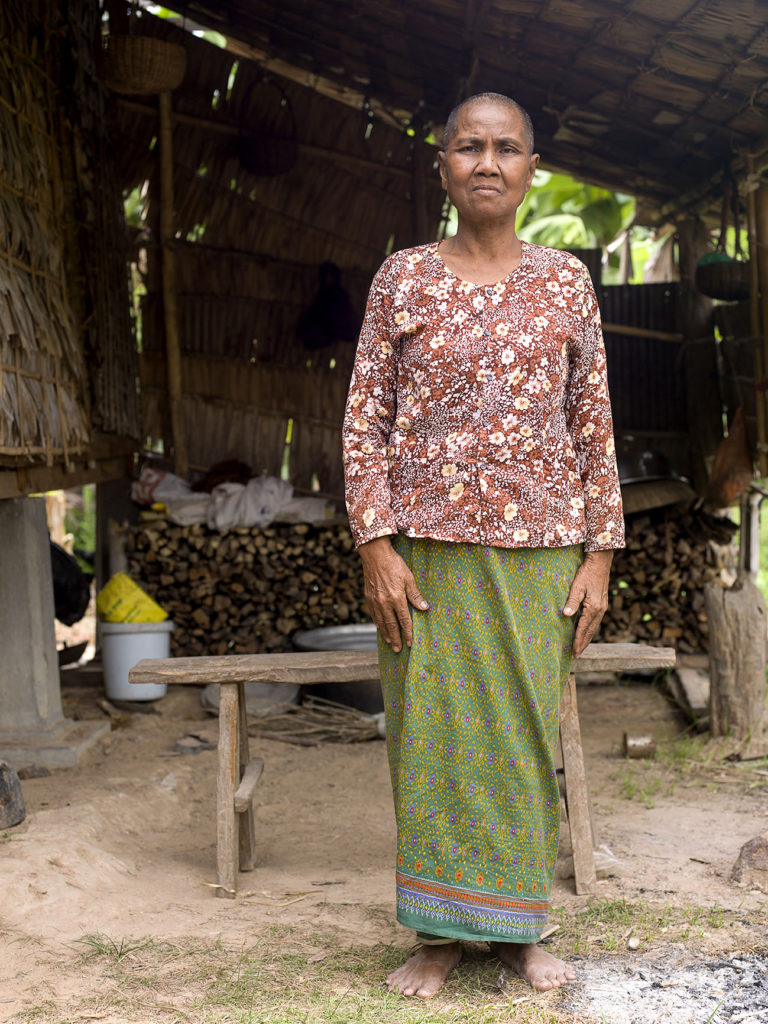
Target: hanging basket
point(140, 65)
point(267, 144)
point(718, 275)
point(722, 277)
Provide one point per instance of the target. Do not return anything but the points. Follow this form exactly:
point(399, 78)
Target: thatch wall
point(247, 258)
point(98, 256)
point(63, 290)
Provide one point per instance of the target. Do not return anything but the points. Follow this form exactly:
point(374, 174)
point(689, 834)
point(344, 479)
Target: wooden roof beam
point(350, 160)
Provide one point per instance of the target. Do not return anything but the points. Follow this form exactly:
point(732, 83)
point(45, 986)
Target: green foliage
point(134, 205)
point(80, 521)
point(567, 214)
point(561, 212)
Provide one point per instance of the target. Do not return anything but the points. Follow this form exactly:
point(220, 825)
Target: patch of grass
point(287, 976)
point(690, 760)
point(284, 976)
point(113, 950)
point(605, 925)
point(642, 788)
point(715, 917)
point(45, 1011)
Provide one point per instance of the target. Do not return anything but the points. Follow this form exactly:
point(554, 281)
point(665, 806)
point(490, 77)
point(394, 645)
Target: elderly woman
point(484, 499)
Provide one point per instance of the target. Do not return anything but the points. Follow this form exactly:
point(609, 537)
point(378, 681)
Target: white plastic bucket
point(123, 644)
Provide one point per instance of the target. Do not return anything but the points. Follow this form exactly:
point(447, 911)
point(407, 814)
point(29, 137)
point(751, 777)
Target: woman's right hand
point(389, 587)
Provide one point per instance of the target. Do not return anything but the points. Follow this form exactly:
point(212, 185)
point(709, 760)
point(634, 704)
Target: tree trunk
point(737, 641)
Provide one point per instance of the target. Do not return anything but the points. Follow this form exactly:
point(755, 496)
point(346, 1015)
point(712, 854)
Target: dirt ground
point(123, 845)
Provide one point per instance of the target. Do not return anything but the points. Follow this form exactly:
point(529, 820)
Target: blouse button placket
point(487, 311)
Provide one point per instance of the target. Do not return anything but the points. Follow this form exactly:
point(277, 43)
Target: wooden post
point(419, 218)
point(761, 396)
point(245, 822)
point(228, 778)
point(736, 658)
point(705, 428)
point(170, 309)
point(576, 792)
point(759, 313)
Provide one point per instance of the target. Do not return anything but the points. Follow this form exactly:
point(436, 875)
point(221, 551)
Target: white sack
point(255, 504)
point(157, 485)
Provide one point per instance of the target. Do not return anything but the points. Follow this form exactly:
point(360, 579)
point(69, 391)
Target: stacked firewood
point(247, 590)
point(657, 581)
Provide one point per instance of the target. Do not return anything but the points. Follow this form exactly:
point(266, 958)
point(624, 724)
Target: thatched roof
point(67, 355)
point(651, 97)
point(607, 99)
point(347, 193)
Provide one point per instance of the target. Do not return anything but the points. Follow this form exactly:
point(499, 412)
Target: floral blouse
point(479, 413)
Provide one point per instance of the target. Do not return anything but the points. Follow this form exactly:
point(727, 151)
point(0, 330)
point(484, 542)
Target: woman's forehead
point(489, 116)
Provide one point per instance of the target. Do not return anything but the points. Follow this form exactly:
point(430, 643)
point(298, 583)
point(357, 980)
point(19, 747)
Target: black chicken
point(71, 586)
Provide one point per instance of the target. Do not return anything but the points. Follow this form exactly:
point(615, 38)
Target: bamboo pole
point(641, 332)
point(703, 401)
point(419, 214)
point(761, 397)
point(170, 308)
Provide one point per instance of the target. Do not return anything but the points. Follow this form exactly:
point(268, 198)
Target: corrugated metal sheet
point(645, 375)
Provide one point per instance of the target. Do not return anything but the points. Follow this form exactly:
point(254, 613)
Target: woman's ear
point(441, 163)
point(532, 170)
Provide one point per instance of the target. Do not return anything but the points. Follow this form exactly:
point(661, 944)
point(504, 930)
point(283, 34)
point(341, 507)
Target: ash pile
point(724, 991)
point(657, 581)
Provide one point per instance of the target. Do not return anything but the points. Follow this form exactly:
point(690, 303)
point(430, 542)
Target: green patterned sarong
point(472, 723)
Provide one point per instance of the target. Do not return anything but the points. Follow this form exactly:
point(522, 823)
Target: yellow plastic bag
point(122, 600)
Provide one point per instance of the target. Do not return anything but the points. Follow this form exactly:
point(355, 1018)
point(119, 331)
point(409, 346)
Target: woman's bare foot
point(425, 973)
point(540, 969)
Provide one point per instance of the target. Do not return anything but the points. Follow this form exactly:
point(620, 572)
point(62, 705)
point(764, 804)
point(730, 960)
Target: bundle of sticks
point(657, 581)
point(246, 591)
point(316, 720)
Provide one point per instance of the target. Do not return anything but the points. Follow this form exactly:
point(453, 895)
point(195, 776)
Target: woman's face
point(486, 168)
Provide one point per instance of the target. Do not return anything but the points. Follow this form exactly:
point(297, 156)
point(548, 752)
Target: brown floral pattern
point(480, 414)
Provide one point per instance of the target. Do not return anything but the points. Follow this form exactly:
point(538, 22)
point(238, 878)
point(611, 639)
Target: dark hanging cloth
point(331, 316)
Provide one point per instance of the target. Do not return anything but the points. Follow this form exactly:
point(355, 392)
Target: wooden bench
point(239, 774)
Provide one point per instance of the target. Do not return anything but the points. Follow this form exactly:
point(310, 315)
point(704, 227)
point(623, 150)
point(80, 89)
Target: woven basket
point(725, 280)
point(140, 65)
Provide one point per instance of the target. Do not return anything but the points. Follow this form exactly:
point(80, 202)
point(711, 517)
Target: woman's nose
point(487, 162)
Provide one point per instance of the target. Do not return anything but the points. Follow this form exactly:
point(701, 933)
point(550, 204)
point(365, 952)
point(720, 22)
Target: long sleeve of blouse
point(481, 414)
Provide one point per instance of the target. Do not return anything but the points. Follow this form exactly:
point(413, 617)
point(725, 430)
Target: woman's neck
point(482, 253)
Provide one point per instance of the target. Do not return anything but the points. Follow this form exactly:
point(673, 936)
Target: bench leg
point(246, 824)
point(576, 792)
point(228, 778)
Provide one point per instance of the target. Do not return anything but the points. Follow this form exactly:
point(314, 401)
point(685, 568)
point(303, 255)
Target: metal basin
point(365, 695)
point(360, 637)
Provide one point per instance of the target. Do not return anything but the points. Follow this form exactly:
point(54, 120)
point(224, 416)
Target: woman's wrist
point(373, 548)
point(599, 560)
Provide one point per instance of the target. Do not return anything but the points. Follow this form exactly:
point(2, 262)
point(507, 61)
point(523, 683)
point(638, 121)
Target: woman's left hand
point(590, 591)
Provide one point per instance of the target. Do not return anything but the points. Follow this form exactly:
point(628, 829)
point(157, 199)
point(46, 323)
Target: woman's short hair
point(451, 125)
